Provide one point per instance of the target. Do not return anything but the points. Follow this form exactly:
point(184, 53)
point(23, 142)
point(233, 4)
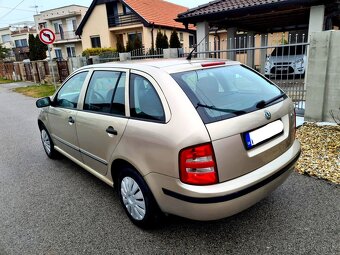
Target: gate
point(281, 57)
point(28, 71)
point(62, 69)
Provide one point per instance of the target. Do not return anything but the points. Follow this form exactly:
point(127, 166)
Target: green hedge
point(97, 51)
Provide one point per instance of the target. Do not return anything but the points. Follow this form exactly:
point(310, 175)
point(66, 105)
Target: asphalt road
point(55, 207)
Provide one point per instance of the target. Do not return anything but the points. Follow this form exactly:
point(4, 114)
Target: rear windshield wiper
point(236, 112)
point(261, 104)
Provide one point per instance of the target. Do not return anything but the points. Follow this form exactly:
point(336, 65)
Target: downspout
point(152, 42)
point(217, 44)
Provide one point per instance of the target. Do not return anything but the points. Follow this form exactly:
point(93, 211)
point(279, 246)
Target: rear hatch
point(249, 119)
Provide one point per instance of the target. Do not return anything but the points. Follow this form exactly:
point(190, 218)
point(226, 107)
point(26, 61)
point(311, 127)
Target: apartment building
point(64, 22)
point(16, 38)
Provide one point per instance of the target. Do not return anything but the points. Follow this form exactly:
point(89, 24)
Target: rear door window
point(106, 92)
point(225, 92)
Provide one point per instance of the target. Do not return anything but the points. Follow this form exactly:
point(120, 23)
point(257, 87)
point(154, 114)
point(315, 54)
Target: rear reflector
point(197, 165)
point(212, 64)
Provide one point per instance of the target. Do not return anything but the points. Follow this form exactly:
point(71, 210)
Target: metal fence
point(144, 53)
point(281, 57)
point(108, 57)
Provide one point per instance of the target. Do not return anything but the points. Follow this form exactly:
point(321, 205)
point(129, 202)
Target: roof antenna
point(195, 48)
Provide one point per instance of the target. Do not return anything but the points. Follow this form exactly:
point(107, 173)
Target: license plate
point(262, 134)
point(282, 68)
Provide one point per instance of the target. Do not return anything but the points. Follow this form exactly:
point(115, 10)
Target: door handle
point(111, 130)
point(70, 120)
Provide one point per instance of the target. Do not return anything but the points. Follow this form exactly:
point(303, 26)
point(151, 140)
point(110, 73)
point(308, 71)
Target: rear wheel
point(48, 143)
point(137, 199)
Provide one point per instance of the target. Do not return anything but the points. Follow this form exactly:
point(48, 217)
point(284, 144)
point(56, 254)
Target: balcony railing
point(122, 20)
point(66, 35)
point(23, 31)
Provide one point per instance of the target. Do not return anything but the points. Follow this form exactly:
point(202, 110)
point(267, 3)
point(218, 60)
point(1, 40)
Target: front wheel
point(137, 199)
point(48, 143)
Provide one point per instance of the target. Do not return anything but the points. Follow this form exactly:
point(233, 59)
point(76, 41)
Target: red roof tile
point(160, 12)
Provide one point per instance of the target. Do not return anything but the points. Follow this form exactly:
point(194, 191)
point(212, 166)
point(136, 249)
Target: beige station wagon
point(202, 139)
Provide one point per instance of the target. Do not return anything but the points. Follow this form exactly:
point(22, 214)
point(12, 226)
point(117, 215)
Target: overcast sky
point(13, 11)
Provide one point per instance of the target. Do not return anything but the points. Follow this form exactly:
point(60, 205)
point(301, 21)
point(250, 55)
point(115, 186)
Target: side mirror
point(43, 102)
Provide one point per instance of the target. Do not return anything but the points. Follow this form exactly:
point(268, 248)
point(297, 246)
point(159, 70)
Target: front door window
point(68, 95)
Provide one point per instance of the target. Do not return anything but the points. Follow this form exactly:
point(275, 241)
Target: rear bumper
point(224, 199)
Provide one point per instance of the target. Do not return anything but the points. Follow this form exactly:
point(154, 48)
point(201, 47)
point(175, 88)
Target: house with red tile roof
point(108, 21)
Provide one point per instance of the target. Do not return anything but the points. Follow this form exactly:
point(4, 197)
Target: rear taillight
point(197, 165)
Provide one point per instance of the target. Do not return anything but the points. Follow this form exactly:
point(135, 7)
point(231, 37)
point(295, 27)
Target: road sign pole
point(51, 66)
point(47, 36)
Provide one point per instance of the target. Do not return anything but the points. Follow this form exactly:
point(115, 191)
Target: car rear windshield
point(226, 92)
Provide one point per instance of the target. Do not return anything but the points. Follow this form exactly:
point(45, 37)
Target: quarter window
point(106, 93)
point(144, 100)
point(68, 95)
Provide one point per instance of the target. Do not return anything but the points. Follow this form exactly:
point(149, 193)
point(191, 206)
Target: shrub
point(37, 49)
point(174, 40)
point(97, 51)
point(161, 40)
point(120, 44)
point(129, 46)
point(137, 44)
point(165, 41)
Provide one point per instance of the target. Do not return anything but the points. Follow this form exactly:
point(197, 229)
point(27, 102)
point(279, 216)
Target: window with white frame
point(181, 37)
point(20, 43)
point(58, 53)
point(58, 26)
point(71, 24)
point(6, 38)
point(71, 51)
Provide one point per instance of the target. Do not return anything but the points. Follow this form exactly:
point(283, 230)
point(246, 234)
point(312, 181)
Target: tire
point(48, 144)
point(137, 199)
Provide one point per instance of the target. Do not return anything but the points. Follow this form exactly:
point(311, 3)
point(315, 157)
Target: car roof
point(168, 65)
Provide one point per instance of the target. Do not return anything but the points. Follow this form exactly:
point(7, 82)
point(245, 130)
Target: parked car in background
point(202, 139)
point(287, 60)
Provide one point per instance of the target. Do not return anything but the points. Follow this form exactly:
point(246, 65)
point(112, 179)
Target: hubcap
point(46, 141)
point(133, 198)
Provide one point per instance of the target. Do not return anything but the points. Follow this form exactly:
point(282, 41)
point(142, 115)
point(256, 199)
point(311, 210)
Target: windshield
point(225, 92)
point(289, 50)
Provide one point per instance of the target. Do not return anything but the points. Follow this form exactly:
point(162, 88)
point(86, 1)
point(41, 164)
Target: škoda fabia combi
point(202, 139)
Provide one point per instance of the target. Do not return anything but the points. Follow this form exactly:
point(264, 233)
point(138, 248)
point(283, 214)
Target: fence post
point(231, 34)
point(263, 54)
point(251, 44)
point(202, 31)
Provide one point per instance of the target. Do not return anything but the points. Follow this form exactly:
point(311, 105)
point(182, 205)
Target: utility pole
point(36, 8)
